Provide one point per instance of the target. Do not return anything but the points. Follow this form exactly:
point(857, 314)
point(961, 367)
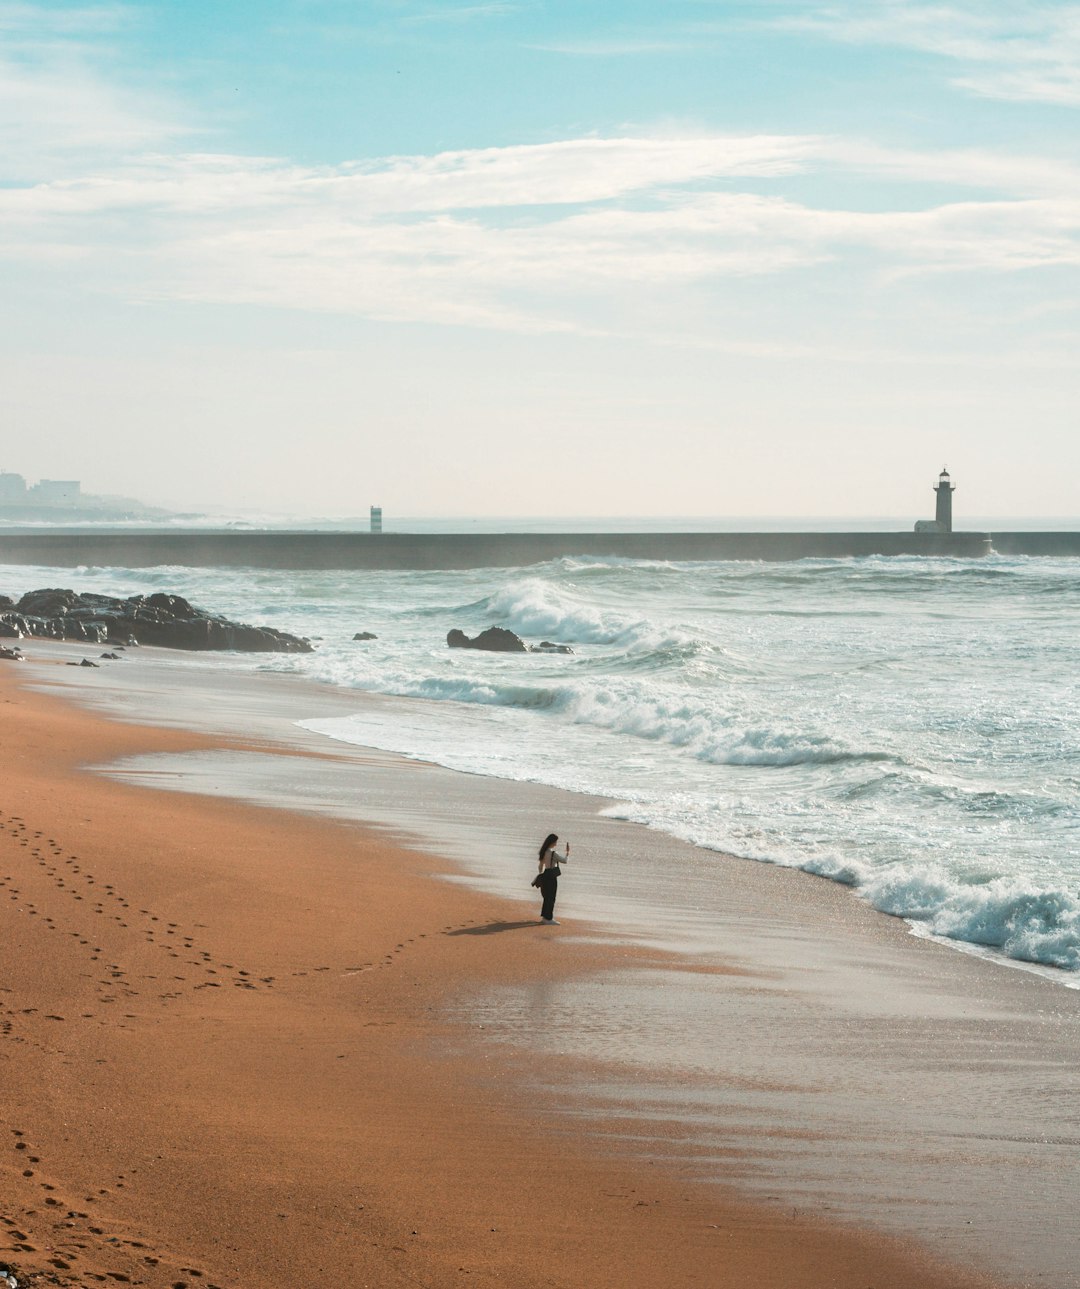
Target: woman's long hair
point(549, 841)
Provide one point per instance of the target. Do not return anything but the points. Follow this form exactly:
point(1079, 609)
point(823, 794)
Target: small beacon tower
point(376, 518)
point(944, 490)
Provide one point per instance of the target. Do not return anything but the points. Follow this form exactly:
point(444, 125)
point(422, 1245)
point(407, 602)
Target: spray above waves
point(533, 606)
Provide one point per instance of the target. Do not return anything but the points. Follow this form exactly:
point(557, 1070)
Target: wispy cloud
point(564, 234)
point(1022, 52)
point(546, 236)
point(37, 21)
point(521, 179)
point(614, 46)
point(59, 110)
point(461, 13)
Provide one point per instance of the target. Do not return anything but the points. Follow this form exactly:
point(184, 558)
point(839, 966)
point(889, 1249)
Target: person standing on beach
point(548, 877)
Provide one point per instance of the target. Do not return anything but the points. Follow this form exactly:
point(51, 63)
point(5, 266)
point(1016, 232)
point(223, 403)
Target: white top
point(553, 858)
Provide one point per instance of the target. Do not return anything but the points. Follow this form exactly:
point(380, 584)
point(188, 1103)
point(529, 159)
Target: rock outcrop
point(160, 619)
point(365, 635)
point(497, 639)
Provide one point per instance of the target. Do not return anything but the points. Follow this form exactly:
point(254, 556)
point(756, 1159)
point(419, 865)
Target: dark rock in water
point(159, 619)
point(113, 657)
point(365, 635)
point(12, 655)
point(85, 663)
point(545, 646)
point(497, 639)
point(6, 602)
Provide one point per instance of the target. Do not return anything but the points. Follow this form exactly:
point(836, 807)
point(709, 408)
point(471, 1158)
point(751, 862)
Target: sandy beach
point(246, 1044)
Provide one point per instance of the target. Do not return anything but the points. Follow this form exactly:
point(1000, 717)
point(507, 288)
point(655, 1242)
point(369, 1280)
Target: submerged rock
point(497, 639)
point(160, 619)
point(365, 635)
point(546, 646)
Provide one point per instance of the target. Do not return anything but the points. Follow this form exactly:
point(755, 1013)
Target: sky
point(533, 257)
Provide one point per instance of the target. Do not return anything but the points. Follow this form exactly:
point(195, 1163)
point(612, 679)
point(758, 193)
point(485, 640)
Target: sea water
point(905, 726)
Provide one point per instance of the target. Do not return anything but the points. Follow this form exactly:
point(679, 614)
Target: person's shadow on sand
point(492, 928)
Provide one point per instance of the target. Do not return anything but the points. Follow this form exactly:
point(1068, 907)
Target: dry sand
point(233, 1054)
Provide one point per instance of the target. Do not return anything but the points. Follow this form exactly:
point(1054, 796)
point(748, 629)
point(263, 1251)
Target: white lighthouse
point(944, 491)
point(942, 523)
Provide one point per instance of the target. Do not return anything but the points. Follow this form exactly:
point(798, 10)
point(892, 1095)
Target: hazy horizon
point(490, 259)
point(237, 519)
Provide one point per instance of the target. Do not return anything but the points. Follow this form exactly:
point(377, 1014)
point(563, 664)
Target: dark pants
point(549, 886)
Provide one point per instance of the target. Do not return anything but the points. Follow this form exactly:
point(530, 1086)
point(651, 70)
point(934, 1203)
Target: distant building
point(14, 491)
point(376, 519)
point(55, 492)
point(12, 488)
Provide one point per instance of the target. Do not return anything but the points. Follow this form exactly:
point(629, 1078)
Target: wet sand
point(248, 1044)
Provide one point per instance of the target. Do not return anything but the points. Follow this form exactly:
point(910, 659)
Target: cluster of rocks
point(170, 621)
point(160, 619)
point(500, 640)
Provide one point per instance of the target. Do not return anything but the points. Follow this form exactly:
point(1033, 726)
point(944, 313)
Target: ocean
point(905, 726)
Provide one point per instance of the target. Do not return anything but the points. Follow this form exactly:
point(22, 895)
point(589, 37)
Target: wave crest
point(1004, 913)
point(533, 607)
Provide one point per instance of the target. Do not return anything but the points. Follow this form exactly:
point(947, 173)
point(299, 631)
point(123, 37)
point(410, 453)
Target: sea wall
point(1036, 543)
point(73, 548)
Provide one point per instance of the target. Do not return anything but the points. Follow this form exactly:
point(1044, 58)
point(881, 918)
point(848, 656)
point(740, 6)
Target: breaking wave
point(534, 607)
point(1009, 914)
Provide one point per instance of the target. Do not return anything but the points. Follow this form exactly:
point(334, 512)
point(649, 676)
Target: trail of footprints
point(388, 959)
point(103, 900)
point(79, 1241)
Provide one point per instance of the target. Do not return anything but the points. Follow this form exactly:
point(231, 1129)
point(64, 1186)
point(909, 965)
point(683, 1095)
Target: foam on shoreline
point(778, 1019)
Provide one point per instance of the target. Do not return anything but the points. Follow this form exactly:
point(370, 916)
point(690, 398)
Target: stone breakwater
point(322, 550)
point(166, 620)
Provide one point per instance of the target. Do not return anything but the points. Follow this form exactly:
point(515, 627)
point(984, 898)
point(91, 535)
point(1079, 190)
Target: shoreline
point(465, 967)
point(162, 705)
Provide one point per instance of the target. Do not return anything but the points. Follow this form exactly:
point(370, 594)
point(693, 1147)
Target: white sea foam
point(535, 607)
point(897, 725)
point(1011, 914)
